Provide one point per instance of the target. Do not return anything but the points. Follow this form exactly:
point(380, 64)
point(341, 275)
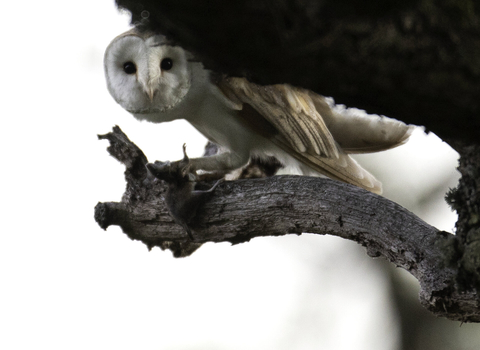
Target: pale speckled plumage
point(295, 125)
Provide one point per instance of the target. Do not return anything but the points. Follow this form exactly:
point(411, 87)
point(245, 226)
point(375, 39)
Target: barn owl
point(159, 82)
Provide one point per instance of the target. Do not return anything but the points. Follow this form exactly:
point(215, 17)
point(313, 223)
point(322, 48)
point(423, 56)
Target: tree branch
point(243, 209)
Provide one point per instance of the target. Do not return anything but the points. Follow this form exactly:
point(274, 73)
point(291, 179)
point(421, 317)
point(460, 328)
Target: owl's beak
point(149, 89)
point(150, 93)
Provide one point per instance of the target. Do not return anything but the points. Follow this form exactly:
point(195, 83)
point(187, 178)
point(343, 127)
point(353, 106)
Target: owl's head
point(145, 74)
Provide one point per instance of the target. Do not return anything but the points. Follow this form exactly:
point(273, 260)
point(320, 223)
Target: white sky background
point(67, 284)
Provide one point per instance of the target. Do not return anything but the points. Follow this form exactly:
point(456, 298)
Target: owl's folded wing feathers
point(316, 133)
point(290, 110)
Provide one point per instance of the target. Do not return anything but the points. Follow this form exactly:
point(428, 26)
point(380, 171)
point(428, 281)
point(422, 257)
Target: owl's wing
point(290, 110)
point(300, 129)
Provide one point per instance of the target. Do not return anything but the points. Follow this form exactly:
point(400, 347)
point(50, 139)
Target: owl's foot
point(178, 172)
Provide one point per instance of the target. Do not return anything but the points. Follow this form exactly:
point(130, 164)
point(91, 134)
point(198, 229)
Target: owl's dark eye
point(129, 67)
point(166, 64)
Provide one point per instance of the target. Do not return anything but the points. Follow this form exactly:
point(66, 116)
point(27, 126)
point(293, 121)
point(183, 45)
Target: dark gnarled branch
point(243, 209)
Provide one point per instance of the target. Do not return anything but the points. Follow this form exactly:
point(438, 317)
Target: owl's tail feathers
point(358, 132)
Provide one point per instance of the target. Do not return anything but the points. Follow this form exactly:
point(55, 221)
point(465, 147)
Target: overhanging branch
point(244, 209)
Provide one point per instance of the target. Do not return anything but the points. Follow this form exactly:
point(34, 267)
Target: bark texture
point(244, 209)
